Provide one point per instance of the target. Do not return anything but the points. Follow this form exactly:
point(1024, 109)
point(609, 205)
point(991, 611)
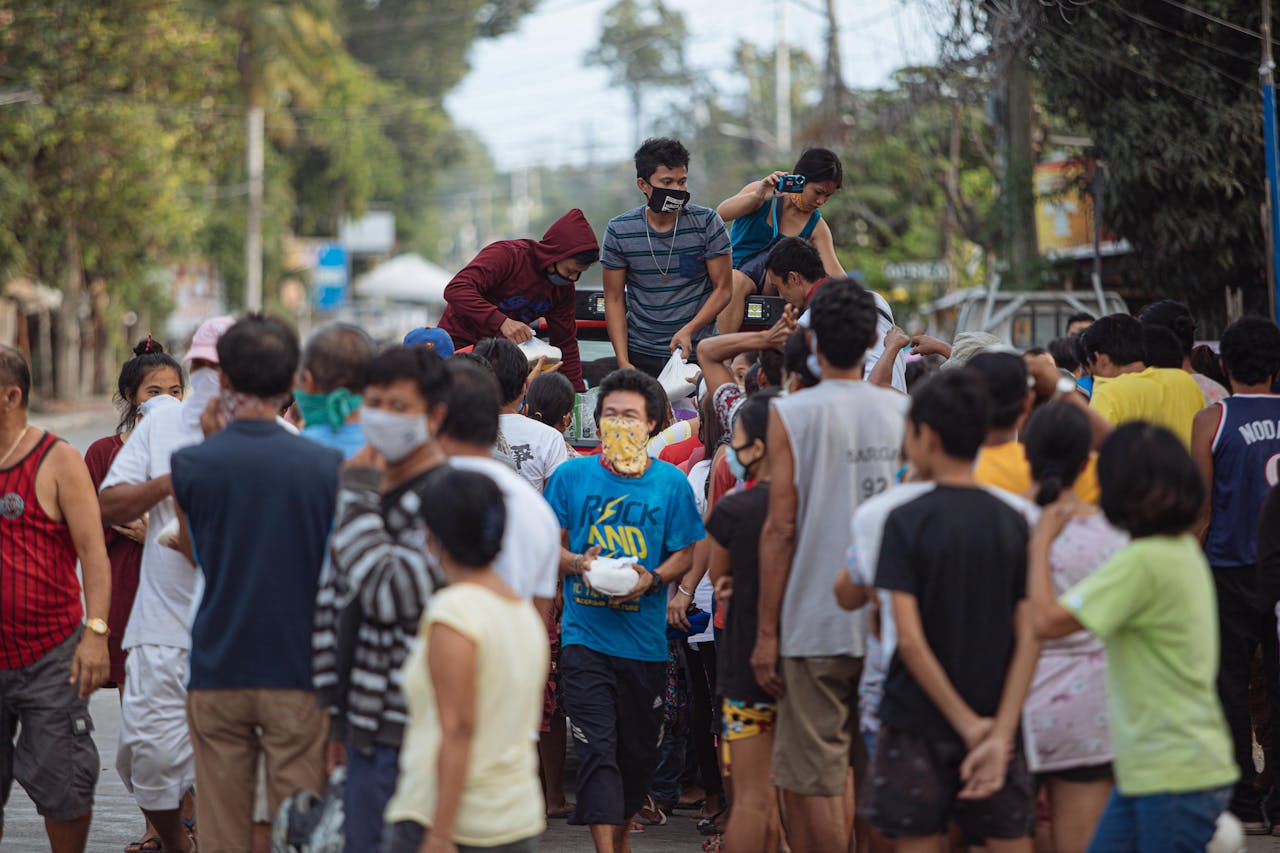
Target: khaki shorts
point(816, 739)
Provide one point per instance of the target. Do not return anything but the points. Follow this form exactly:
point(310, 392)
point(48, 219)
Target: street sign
point(329, 278)
point(917, 270)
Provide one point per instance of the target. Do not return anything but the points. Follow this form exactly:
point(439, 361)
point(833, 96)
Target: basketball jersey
point(39, 592)
point(1246, 464)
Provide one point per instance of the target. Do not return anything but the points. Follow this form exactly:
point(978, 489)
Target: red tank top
point(39, 591)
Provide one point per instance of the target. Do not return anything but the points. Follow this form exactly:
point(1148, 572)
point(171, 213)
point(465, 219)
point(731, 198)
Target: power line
point(1141, 72)
point(1209, 16)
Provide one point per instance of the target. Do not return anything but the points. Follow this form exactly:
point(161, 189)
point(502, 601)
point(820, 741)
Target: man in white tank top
point(833, 446)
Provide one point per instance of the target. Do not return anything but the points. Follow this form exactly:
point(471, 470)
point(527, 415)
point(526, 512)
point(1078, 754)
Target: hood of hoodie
point(567, 236)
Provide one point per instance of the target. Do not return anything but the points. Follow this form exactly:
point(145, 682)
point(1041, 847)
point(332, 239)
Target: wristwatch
point(99, 627)
point(657, 579)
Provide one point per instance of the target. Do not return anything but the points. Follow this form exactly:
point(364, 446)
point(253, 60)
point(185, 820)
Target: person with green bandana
point(335, 363)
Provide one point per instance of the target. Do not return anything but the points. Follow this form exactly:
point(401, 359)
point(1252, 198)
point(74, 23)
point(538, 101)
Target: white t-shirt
point(884, 323)
point(530, 557)
point(703, 592)
point(167, 582)
point(536, 449)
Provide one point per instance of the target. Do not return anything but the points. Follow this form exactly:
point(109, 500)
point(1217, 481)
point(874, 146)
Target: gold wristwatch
point(99, 627)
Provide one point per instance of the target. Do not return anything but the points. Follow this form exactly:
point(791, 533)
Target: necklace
point(15, 444)
point(674, 231)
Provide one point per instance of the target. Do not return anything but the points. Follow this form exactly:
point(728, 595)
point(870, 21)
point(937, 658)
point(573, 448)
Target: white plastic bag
point(536, 348)
point(678, 376)
point(612, 575)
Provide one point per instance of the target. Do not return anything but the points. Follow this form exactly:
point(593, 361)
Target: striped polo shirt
point(656, 310)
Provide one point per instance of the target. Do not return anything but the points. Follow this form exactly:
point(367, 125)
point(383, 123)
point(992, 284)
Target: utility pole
point(1018, 190)
point(1267, 72)
point(833, 93)
point(255, 128)
point(782, 82)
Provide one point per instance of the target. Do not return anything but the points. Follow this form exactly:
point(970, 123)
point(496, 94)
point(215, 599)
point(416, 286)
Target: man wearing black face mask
point(512, 283)
point(667, 265)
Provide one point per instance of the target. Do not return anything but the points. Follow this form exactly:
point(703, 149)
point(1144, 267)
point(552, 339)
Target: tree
point(423, 44)
point(1169, 97)
point(643, 49)
point(106, 168)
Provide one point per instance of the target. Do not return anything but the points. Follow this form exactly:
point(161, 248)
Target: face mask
point(663, 200)
point(557, 279)
point(331, 410)
point(625, 443)
point(393, 435)
point(815, 367)
point(736, 467)
point(205, 385)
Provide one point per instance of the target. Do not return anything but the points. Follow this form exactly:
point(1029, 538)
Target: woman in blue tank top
point(760, 216)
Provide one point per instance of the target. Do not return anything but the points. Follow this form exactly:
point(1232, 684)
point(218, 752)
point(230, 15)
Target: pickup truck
point(598, 358)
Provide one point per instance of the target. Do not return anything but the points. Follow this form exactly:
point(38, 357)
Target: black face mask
point(557, 279)
point(663, 200)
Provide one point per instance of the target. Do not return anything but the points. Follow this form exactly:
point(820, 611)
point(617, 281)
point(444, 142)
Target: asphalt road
point(117, 821)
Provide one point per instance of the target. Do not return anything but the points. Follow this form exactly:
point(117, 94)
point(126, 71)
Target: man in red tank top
point(51, 659)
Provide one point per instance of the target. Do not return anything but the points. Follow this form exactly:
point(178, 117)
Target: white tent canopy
point(404, 278)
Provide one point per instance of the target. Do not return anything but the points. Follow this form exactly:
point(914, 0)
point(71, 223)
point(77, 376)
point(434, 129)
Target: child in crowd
point(550, 399)
point(748, 711)
point(1152, 606)
point(1065, 718)
point(954, 560)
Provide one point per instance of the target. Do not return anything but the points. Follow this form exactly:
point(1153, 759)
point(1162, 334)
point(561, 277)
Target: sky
point(534, 101)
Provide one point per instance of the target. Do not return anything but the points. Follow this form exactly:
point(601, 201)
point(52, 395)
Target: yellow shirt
point(1005, 466)
point(1165, 396)
point(502, 799)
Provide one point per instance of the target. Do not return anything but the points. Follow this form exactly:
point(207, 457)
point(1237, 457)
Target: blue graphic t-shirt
point(648, 517)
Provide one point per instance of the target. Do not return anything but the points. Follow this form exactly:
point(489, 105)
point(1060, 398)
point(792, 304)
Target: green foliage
point(1171, 101)
point(116, 151)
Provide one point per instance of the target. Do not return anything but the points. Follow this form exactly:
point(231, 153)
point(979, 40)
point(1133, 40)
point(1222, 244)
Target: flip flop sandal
point(560, 814)
point(650, 813)
point(145, 844)
point(709, 825)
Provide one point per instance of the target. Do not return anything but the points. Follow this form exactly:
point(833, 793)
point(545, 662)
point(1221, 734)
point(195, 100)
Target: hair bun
point(148, 347)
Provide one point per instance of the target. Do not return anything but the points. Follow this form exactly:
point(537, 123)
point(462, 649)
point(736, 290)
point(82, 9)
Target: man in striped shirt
point(667, 264)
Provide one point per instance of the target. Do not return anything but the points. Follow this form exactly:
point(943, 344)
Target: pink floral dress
point(1065, 717)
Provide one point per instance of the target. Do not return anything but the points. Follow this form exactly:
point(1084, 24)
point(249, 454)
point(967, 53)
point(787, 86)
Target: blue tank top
point(751, 233)
point(1246, 464)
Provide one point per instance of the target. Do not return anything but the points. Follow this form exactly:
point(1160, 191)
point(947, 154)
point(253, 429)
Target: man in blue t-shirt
point(614, 650)
point(256, 506)
point(667, 265)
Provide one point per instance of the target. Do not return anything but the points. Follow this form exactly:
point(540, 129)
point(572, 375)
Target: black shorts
point(914, 783)
point(614, 707)
point(54, 759)
point(1092, 773)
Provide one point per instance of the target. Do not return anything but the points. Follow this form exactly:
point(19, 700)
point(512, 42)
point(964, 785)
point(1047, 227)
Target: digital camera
point(791, 184)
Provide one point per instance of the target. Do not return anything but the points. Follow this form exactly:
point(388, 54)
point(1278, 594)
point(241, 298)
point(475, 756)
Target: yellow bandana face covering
point(625, 443)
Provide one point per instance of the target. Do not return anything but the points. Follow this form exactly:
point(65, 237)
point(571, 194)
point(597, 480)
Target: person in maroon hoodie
point(511, 283)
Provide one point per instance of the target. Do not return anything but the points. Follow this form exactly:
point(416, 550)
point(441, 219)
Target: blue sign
point(329, 278)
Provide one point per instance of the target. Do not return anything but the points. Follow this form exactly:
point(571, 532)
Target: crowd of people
point(864, 591)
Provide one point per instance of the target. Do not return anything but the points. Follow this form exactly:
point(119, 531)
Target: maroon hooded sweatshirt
point(508, 280)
